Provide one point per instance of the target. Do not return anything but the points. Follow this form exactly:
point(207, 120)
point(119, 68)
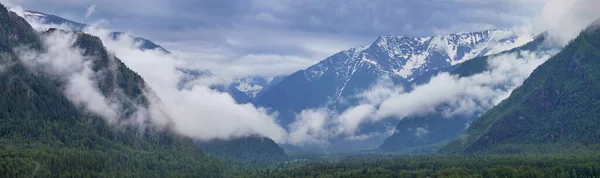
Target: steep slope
point(556, 108)
point(430, 132)
point(340, 77)
point(43, 134)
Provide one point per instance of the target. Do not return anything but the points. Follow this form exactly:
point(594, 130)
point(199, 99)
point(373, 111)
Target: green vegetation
point(553, 116)
point(42, 134)
point(424, 134)
point(555, 110)
point(441, 130)
point(461, 166)
point(253, 149)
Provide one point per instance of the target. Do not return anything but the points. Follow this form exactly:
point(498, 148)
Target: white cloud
point(564, 19)
point(6, 61)
point(310, 128)
point(453, 95)
point(90, 10)
point(197, 111)
point(64, 62)
point(239, 50)
point(475, 94)
point(421, 132)
point(466, 95)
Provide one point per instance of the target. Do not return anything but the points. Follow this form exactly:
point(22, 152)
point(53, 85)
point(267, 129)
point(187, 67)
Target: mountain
point(335, 81)
point(430, 132)
point(244, 90)
point(50, 19)
point(190, 76)
point(555, 110)
point(249, 148)
point(43, 134)
point(255, 86)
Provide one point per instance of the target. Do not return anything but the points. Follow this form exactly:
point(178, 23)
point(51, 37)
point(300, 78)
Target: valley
point(81, 100)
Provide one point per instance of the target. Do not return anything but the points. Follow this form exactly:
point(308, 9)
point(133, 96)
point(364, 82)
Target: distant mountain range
point(555, 110)
point(402, 59)
point(335, 82)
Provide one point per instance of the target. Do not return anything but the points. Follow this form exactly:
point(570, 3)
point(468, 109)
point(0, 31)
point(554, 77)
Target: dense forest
point(254, 149)
point(457, 166)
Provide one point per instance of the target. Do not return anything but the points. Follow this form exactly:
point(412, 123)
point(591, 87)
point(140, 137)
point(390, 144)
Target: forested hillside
point(555, 110)
point(43, 134)
point(249, 148)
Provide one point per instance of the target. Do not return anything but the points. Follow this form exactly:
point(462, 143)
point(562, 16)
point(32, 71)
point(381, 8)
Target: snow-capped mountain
point(335, 81)
point(408, 58)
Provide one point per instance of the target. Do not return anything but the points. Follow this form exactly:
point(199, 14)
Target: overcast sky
point(291, 33)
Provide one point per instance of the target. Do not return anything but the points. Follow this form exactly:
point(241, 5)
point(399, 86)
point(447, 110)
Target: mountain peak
point(400, 58)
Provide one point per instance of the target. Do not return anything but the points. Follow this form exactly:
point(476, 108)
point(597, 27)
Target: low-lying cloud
point(197, 111)
point(61, 60)
point(202, 113)
point(445, 93)
point(450, 95)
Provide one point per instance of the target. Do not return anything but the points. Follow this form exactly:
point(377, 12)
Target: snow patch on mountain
point(407, 58)
point(250, 89)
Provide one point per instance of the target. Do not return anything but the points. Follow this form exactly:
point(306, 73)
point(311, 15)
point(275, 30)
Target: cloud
point(464, 95)
point(421, 132)
point(231, 32)
point(450, 95)
point(196, 111)
point(564, 19)
point(6, 61)
point(239, 38)
point(64, 62)
point(90, 10)
point(311, 128)
point(445, 93)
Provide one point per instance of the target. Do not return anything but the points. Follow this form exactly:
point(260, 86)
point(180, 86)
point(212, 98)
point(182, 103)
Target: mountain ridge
point(145, 44)
point(555, 110)
point(349, 72)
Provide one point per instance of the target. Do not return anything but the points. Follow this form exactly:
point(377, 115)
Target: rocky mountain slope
point(402, 59)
